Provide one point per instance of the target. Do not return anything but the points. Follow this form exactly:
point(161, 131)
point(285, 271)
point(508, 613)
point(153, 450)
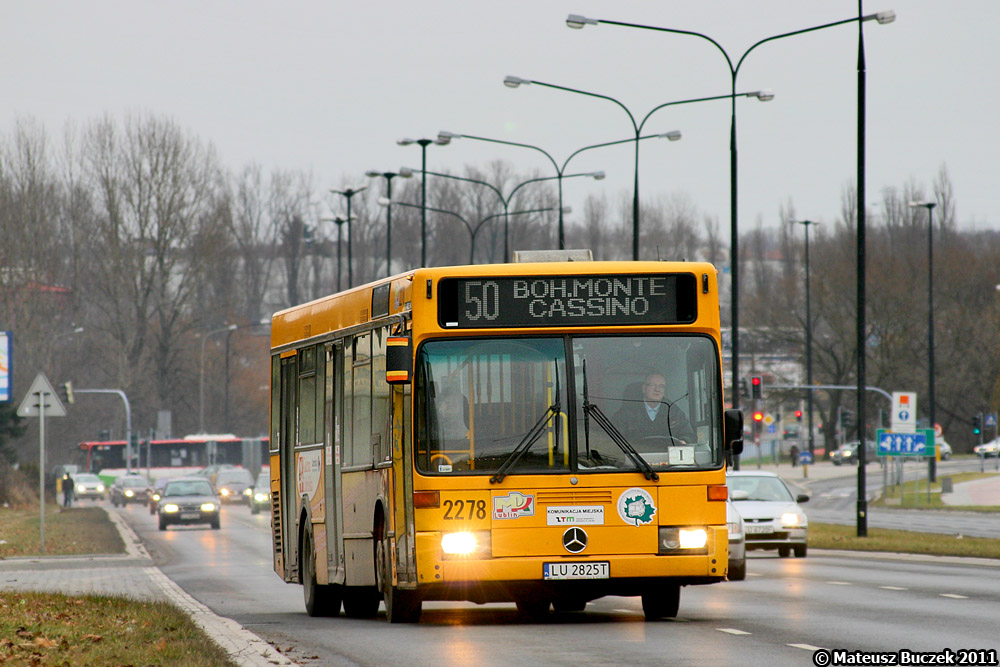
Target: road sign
point(891, 443)
point(6, 384)
point(805, 458)
point(938, 430)
point(41, 388)
point(991, 419)
point(904, 412)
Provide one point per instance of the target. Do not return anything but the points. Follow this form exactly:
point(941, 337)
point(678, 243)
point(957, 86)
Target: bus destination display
point(588, 300)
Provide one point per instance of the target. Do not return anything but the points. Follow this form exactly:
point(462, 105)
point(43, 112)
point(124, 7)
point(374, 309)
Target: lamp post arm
point(514, 143)
point(676, 32)
point(468, 180)
point(699, 99)
point(624, 108)
point(604, 145)
point(128, 419)
point(787, 34)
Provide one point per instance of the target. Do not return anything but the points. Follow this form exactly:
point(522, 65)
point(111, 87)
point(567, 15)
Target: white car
point(987, 448)
point(944, 448)
point(771, 513)
point(737, 538)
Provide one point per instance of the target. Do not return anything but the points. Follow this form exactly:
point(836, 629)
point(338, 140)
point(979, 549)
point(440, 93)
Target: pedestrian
point(67, 489)
point(794, 453)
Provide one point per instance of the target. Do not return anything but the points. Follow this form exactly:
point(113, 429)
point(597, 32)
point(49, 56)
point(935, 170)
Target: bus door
point(333, 442)
point(285, 533)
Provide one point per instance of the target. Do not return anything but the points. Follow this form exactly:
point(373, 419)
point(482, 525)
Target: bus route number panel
point(582, 300)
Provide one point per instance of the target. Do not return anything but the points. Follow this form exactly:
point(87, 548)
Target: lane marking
point(732, 631)
point(839, 583)
point(893, 588)
point(807, 647)
point(954, 596)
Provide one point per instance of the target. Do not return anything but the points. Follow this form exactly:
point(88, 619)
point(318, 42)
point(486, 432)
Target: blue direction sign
point(805, 458)
point(920, 443)
point(991, 420)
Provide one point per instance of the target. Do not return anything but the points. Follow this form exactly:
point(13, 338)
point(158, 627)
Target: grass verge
point(831, 536)
point(74, 531)
point(54, 629)
point(913, 494)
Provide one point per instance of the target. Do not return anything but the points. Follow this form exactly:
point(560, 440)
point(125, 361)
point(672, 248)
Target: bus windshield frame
point(581, 402)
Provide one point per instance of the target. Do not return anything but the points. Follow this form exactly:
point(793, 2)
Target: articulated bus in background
point(174, 457)
point(466, 433)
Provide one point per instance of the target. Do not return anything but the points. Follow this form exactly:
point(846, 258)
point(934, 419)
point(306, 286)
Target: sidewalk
point(133, 575)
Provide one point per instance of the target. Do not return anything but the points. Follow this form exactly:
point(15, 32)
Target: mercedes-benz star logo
point(575, 540)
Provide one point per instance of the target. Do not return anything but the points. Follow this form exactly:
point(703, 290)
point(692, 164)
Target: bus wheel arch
point(401, 605)
point(319, 599)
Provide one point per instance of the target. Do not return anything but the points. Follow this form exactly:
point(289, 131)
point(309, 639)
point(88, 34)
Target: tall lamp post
point(762, 95)
point(201, 390)
point(423, 143)
point(339, 221)
point(505, 201)
point(809, 361)
point(348, 193)
point(576, 21)
point(388, 176)
point(473, 231)
point(929, 205)
point(560, 171)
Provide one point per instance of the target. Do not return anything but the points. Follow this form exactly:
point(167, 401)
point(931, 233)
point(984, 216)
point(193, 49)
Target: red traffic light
point(758, 416)
point(798, 414)
point(755, 380)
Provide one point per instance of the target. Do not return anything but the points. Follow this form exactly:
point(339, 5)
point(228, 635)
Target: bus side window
point(362, 391)
point(381, 405)
point(347, 395)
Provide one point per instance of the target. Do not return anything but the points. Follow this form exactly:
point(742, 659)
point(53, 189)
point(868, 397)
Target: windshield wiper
point(531, 437)
point(591, 410)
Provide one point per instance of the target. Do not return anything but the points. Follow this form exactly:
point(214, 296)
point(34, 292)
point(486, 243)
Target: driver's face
point(653, 388)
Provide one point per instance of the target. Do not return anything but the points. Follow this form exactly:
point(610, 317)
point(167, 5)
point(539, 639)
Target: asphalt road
point(783, 612)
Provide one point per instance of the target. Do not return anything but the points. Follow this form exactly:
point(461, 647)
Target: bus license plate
point(759, 530)
point(590, 570)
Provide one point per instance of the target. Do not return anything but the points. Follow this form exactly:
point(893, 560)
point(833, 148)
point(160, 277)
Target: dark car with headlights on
point(234, 485)
point(261, 497)
point(189, 500)
point(771, 514)
point(129, 489)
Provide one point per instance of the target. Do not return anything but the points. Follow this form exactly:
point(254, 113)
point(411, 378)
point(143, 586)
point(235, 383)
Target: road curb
point(242, 646)
point(920, 558)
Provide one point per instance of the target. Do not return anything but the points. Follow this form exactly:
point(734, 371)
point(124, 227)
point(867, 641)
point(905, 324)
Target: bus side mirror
point(734, 431)
point(398, 360)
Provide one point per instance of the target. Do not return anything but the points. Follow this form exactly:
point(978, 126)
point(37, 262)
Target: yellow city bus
point(468, 433)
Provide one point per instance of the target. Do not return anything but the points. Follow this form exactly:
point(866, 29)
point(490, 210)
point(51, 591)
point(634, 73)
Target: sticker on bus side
point(636, 507)
point(513, 506)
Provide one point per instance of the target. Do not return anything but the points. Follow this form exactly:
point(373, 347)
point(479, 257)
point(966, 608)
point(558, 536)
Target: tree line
point(127, 242)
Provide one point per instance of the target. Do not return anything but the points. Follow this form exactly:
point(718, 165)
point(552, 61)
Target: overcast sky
point(328, 87)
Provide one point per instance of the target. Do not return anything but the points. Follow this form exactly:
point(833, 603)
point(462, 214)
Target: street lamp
point(761, 95)
point(505, 201)
point(424, 143)
point(473, 231)
point(201, 390)
point(388, 176)
point(809, 366)
point(929, 205)
point(339, 221)
point(672, 136)
point(347, 193)
point(576, 21)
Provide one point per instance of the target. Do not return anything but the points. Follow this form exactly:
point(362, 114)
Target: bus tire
point(663, 602)
point(401, 605)
point(320, 600)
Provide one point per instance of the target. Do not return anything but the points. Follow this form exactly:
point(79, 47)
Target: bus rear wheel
point(320, 600)
point(662, 602)
point(401, 605)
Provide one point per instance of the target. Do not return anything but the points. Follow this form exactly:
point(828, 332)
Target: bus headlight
point(170, 508)
point(674, 539)
point(793, 520)
point(466, 544)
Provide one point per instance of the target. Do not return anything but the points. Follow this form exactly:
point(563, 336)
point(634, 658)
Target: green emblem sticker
point(636, 506)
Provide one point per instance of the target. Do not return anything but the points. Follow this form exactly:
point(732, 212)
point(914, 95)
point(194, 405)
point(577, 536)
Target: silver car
point(737, 538)
point(771, 513)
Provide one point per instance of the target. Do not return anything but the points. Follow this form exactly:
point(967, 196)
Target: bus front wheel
point(320, 600)
point(401, 605)
point(662, 602)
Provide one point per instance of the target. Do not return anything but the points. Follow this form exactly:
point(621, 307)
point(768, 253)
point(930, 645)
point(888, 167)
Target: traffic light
point(977, 423)
point(798, 415)
point(66, 392)
point(744, 390)
point(847, 419)
point(755, 386)
point(758, 416)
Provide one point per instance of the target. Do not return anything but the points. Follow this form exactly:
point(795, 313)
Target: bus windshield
point(593, 403)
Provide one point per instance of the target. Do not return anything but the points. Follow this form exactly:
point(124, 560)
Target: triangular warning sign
point(41, 389)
